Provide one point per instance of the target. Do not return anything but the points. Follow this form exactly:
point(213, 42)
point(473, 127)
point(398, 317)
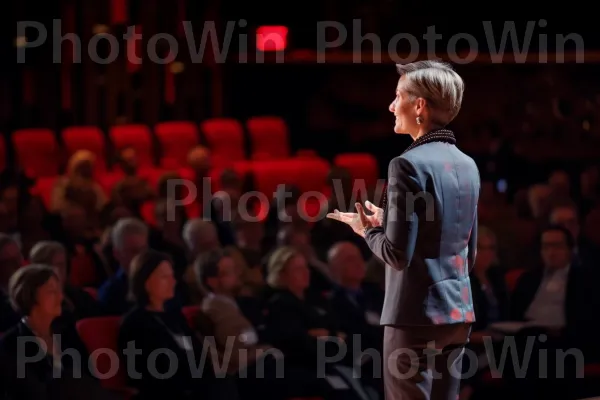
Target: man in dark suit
point(426, 233)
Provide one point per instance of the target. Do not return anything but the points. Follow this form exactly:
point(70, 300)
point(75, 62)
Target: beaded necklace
point(438, 135)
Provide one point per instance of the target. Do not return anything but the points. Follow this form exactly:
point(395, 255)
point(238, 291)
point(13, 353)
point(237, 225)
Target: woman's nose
point(392, 106)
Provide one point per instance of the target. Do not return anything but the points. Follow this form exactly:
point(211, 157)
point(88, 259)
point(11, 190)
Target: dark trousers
point(423, 362)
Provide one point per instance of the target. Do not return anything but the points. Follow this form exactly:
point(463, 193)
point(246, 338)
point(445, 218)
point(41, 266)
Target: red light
point(271, 38)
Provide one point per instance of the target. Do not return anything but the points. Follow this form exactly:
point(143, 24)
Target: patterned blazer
point(429, 234)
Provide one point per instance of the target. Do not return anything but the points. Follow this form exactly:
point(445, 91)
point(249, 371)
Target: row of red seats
point(38, 151)
point(307, 172)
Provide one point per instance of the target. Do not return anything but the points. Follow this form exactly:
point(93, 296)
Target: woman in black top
point(32, 363)
point(171, 363)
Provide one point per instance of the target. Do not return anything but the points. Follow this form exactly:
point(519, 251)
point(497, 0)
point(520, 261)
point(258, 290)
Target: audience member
point(567, 216)
point(151, 327)
point(78, 184)
point(36, 293)
point(129, 237)
point(77, 303)
point(244, 346)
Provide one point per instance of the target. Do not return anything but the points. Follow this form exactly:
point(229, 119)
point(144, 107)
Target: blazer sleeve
point(393, 241)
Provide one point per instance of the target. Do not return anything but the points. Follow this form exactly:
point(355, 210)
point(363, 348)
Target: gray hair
point(195, 227)
point(126, 227)
point(437, 83)
point(43, 252)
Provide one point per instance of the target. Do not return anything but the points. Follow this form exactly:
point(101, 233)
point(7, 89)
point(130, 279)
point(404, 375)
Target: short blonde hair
point(277, 262)
point(437, 83)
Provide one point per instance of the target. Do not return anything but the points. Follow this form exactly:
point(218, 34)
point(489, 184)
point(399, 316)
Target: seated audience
point(133, 190)
point(244, 346)
point(298, 237)
point(488, 286)
point(166, 235)
point(77, 303)
point(567, 216)
point(554, 300)
point(129, 237)
point(151, 327)
point(36, 293)
point(356, 303)
point(301, 324)
point(87, 266)
point(80, 181)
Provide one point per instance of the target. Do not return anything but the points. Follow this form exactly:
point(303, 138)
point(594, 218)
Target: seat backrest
point(37, 152)
point(308, 174)
point(90, 138)
point(361, 166)
point(269, 137)
point(176, 138)
point(512, 277)
point(100, 336)
point(225, 138)
point(136, 136)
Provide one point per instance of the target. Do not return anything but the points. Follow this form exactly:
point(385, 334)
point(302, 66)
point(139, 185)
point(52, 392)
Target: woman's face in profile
point(50, 298)
point(160, 285)
point(404, 112)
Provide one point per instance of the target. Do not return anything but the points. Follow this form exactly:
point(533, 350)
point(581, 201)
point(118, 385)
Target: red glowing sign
point(271, 38)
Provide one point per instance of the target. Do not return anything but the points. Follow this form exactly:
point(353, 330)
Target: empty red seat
point(101, 335)
point(136, 136)
point(269, 137)
point(361, 166)
point(225, 138)
point(308, 174)
point(86, 138)
point(37, 152)
point(175, 138)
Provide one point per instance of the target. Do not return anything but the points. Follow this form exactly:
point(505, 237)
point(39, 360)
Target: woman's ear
point(420, 105)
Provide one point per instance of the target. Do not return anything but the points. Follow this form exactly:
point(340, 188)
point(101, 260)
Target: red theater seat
point(86, 138)
point(269, 137)
point(225, 138)
point(37, 152)
point(176, 138)
point(361, 166)
point(308, 174)
point(138, 137)
point(512, 277)
point(101, 334)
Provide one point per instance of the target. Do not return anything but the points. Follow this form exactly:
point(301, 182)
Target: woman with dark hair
point(152, 329)
point(32, 365)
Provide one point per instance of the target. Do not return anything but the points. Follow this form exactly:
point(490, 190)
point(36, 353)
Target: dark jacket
point(581, 302)
point(150, 331)
point(429, 235)
point(39, 380)
point(481, 302)
point(289, 319)
point(354, 309)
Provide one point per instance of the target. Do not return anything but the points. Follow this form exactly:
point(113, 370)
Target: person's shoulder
point(135, 317)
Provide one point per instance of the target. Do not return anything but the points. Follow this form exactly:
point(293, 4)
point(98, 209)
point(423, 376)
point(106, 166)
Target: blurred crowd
point(278, 283)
